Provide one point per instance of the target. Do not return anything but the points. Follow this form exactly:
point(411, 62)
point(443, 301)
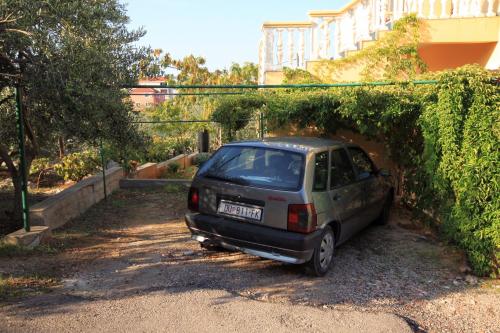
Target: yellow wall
point(447, 56)
point(274, 77)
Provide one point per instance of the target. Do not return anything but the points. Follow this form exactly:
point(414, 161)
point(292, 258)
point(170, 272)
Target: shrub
point(38, 165)
point(173, 167)
point(200, 159)
point(76, 166)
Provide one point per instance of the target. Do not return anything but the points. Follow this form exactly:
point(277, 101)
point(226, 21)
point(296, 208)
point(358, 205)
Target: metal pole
point(103, 172)
point(277, 86)
point(22, 164)
point(261, 125)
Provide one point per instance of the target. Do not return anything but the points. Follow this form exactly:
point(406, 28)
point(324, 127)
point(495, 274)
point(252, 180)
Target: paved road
point(190, 311)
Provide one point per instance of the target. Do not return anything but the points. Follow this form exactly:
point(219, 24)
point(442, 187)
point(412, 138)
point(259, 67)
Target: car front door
point(368, 183)
point(346, 196)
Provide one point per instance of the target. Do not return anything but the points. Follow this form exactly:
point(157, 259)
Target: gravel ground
point(136, 246)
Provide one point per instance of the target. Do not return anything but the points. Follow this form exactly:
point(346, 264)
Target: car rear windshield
point(256, 166)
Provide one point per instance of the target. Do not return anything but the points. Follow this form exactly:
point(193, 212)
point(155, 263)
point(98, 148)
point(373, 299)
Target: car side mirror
point(384, 172)
point(364, 175)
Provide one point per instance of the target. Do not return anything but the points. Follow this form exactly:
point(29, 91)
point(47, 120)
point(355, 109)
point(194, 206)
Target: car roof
point(293, 143)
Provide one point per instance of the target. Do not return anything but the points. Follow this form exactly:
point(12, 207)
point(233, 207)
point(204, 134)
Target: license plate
point(247, 212)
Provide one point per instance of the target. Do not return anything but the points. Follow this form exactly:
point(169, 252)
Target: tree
point(70, 59)
point(190, 70)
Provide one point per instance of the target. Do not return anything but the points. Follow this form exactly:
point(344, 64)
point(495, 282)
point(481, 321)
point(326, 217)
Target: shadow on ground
point(137, 243)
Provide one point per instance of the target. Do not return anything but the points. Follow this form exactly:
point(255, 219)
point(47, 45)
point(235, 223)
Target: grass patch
point(13, 287)
point(10, 250)
point(174, 188)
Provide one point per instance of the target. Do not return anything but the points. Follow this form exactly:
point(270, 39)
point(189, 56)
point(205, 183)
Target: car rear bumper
point(253, 239)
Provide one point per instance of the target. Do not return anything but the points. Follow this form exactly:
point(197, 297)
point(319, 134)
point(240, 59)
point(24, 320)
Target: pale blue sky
point(222, 31)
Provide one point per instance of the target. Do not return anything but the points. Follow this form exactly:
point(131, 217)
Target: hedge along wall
point(444, 138)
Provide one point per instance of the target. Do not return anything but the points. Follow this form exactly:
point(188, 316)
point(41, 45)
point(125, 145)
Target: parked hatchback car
point(287, 199)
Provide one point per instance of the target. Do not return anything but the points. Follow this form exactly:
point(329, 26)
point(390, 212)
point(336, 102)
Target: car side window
point(362, 163)
point(342, 172)
point(320, 172)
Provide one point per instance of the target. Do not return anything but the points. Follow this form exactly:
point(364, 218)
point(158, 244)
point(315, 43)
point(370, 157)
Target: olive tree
point(70, 59)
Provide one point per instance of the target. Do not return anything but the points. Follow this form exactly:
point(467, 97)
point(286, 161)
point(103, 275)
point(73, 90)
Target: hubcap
point(326, 251)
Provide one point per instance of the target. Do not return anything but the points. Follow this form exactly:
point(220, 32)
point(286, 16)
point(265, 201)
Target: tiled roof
point(143, 91)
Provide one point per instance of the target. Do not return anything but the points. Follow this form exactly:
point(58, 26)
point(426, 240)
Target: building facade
point(457, 32)
point(143, 98)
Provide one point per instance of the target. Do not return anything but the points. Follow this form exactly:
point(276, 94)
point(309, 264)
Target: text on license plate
point(240, 211)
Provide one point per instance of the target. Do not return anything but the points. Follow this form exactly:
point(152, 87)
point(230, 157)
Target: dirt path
point(130, 264)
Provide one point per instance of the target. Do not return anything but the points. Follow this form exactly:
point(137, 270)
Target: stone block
point(147, 171)
point(36, 236)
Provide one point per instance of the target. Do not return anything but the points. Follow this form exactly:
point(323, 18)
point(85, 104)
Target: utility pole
point(22, 158)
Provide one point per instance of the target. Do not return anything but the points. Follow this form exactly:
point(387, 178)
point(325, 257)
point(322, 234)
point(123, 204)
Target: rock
point(471, 279)
point(456, 282)
point(464, 268)
point(188, 253)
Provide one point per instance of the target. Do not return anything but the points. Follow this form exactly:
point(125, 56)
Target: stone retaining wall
point(75, 200)
point(155, 170)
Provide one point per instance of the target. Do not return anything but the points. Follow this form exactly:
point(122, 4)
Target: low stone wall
point(147, 171)
point(190, 158)
point(182, 159)
point(75, 200)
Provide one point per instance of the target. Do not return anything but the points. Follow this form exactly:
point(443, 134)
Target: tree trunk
point(61, 147)
point(16, 214)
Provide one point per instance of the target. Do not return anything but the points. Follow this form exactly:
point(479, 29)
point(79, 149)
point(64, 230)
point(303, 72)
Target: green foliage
point(299, 76)
point(393, 56)
point(39, 165)
point(444, 139)
point(462, 163)
point(201, 158)
point(235, 112)
point(76, 166)
point(173, 167)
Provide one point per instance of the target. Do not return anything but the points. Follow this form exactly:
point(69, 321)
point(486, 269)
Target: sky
point(221, 31)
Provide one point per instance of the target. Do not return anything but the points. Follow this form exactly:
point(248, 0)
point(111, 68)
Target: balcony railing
point(330, 34)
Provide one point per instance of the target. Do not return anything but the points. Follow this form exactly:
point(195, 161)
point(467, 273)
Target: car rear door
point(346, 197)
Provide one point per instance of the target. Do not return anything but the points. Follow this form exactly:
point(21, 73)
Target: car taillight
point(302, 218)
point(193, 199)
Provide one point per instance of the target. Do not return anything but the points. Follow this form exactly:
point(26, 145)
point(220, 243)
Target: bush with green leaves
point(201, 158)
point(445, 139)
point(39, 164)
point(173, 167)
point(76, 166)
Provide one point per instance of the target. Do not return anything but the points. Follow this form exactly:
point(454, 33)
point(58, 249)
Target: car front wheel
point(323, 253)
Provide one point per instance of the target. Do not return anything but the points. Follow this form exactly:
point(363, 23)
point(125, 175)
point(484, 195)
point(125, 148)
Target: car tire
point(385, 214)
point(322, 258)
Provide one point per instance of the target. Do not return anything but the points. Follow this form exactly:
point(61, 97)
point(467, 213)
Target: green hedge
point(445, 139)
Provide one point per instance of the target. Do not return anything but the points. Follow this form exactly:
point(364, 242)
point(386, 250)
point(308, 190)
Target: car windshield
point(255, 166)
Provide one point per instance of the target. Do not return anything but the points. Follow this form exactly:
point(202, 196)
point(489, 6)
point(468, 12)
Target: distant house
point(143, 98)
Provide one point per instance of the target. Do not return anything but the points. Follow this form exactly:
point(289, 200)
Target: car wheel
point(323, 253)
point(383, 218)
